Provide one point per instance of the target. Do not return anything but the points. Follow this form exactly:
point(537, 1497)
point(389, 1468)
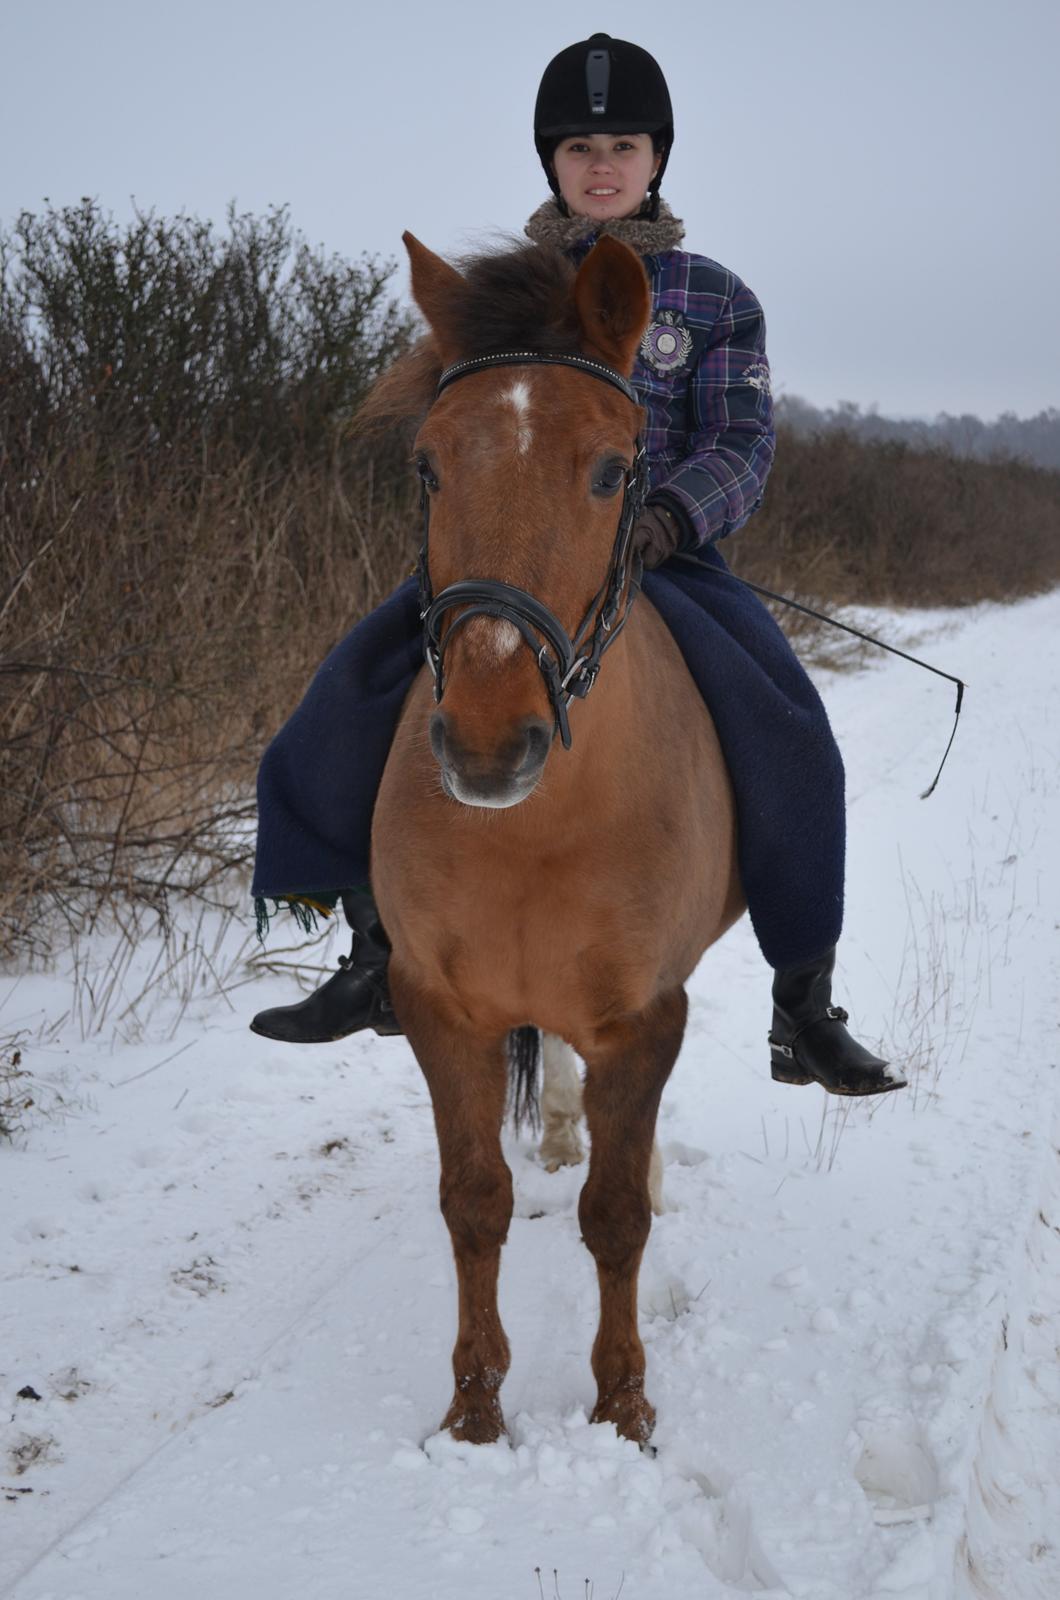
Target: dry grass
point(186, 528)
point(16, 1089)
point(25, 1100)
point(850, 521)
point(160, 626)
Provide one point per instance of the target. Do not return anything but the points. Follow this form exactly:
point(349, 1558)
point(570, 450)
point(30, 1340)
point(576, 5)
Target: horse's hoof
point(481, 1422)
point(561, 1150)
point(553, 1163)
point(632, 1415)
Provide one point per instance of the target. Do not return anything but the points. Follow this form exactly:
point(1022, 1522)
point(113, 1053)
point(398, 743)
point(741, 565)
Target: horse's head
point(527, 468)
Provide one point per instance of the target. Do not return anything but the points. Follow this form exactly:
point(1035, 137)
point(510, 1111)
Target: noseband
point(568, 665)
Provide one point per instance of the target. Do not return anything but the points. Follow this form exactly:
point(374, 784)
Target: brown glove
point(656, 535)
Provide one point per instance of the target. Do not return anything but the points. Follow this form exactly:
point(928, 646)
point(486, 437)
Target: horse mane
point(518, 298)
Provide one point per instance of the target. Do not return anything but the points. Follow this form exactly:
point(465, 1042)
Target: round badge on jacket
point(667, 343)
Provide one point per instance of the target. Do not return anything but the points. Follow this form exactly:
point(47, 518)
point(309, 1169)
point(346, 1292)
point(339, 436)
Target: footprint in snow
point(897, 1470)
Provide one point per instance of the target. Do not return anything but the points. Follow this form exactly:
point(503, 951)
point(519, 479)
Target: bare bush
point(186, 528)
point(858, 521)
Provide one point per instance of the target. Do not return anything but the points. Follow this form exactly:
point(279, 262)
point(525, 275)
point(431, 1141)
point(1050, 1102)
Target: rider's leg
point(320, 775)
point(355, 997)
point(809, 1041)
point(316, 793)
point(788, 781)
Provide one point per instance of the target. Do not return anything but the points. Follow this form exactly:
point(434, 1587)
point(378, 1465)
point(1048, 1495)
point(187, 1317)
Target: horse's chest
point(520, 949)
point(511, 927)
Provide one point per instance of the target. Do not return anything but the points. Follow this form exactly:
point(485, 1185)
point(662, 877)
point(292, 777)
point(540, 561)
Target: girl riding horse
point(604, 129)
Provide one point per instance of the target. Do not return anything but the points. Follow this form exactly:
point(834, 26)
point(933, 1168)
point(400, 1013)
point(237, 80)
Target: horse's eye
point(609, 476)
point(425, 472)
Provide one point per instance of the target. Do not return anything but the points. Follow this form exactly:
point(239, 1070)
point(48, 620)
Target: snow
point(225, 1275)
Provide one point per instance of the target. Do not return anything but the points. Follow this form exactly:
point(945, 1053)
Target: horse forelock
point(515, 299)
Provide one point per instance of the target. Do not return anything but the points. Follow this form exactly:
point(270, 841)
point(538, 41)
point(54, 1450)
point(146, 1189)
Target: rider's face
point(605, 175)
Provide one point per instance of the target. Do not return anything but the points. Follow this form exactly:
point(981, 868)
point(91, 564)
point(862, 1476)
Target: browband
point(522, 358)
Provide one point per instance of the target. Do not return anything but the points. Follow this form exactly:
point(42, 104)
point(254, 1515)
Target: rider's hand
point(657, 535)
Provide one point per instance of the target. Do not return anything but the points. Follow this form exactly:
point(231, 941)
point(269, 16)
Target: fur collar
point(548, 225)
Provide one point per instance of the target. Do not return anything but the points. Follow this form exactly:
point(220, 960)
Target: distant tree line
point(1035, 440)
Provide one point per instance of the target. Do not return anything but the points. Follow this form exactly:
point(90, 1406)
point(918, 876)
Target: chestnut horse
point(525, 885)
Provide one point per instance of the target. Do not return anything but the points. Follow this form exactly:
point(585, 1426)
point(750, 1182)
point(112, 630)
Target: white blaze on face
point(518, 396)
point(506, 638)
point(498, 640)
point(492, 639)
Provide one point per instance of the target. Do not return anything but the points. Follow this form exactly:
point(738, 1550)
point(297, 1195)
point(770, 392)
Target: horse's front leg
point(626, 1069)
point(468, 1080)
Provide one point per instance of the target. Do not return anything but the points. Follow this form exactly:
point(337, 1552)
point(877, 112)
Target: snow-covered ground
point(228, 1302)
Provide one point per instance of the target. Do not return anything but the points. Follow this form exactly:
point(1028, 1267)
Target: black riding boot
point(809, 1041)
point(355, 997)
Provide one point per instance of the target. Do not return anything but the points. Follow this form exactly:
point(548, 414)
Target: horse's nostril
point(436, 734)
point(538, 743)
point(499, 775)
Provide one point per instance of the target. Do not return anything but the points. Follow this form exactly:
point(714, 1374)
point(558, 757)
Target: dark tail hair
point(524, 1058)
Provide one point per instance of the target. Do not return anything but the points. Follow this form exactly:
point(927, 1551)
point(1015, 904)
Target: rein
point(796, 605)
point(569, 665)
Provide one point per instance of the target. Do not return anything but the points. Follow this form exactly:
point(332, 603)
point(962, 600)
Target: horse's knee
point(477, 1206)
point(615, 1222)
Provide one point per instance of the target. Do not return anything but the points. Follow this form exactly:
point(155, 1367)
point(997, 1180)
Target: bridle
point(568, 665)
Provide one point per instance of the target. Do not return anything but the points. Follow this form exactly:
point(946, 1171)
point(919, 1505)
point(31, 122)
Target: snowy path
point(229, 1284)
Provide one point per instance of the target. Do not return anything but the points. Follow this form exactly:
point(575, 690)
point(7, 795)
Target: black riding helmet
point(603, 85)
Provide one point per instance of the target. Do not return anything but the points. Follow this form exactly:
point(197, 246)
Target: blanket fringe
point(306, 911)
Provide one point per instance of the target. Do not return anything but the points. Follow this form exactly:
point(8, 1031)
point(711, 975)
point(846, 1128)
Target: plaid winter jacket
point(703, 377)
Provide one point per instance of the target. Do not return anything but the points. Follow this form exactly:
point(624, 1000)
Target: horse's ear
point(437, 289)
point(613, 300)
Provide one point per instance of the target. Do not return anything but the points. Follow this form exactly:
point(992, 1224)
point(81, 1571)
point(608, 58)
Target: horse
point(546, 861)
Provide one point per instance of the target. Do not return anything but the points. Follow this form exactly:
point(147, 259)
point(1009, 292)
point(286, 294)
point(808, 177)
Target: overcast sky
point(883, 173)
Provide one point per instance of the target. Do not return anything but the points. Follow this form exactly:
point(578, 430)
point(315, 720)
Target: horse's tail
point(524, 1059)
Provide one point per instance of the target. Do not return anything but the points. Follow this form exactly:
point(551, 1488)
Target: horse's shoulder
point(660, 659)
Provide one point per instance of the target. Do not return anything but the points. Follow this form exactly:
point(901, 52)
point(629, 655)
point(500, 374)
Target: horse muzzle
point(496, 778)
